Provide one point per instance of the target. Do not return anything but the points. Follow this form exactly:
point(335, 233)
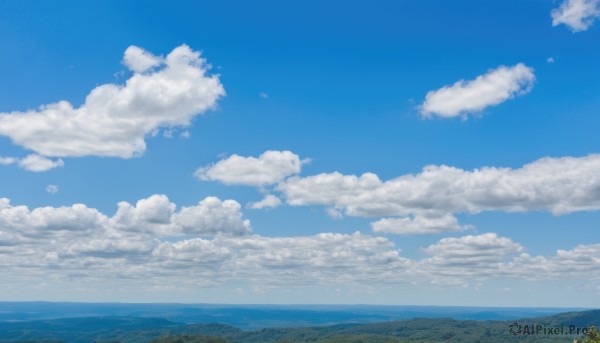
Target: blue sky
point(442, 104)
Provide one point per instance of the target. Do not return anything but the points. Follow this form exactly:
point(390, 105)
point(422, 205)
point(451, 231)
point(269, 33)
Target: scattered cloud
point(269, 168)
point(550, 60)
point(464, 97)
point(264, 95)
point(153, 239)
point(211, 244)
point(558, 185)
point(114, 119)
point(269, 201)
point(212, 216)
point(473, 250)
point(482, 256)
point(419, 224)
point(564, 264)
point(52, 189)
point(37, 163)
point(33, 162)
point(157, 215)
point(422, 203)
point(578, 15)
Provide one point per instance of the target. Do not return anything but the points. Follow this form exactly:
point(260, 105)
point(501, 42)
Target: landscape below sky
point(212, 323)
point(430, 152)
point(251, 317)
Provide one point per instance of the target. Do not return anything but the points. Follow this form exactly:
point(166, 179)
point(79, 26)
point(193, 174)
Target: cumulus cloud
point(150, 215)
point(558, 185)
point(114, 119)
point(210, 244)
point(471, 250)
point(153, 239)
point(578, 15)
point(269, 201)
point(157, 215)
point(139, 60)
point(269, 168)
point(574, 263)
point(419, 224)
point(302, 260)
point(456, 259)
point(212, 216)
point(490, 89)
point(37, 163)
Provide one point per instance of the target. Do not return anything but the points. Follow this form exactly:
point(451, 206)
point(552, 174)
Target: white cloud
point(153, 214)
point(264, 95)
point(269, 168)
point(8, 160)
point(454, 260)
point(550, 60)
point(473, 250)
point(559, 185)
point(419, 224)
point(578, 15)
point(492, 88)
point(152, 240)
point(269, 201)
point(52, 189)
point(114, 119)
point(287, 261)
point(149, 243)
point(139, 60)
point(212, 216)
point(37, 163)
point(33, 162)
point(157, 215)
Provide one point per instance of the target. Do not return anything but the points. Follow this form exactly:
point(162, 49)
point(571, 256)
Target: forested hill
point(130, 329)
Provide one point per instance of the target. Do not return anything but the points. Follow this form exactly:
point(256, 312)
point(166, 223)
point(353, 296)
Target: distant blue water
point(260, 316)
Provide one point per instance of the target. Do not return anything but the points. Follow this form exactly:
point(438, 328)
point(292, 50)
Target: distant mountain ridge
point(138, 329)
point(261, 316)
